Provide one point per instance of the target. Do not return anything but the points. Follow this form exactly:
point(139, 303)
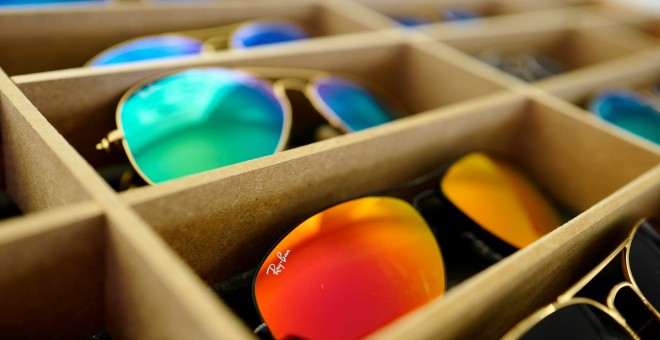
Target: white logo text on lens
point(277, 269)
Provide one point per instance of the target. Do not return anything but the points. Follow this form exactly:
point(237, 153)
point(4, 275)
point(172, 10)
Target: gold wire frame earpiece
point(114, 137)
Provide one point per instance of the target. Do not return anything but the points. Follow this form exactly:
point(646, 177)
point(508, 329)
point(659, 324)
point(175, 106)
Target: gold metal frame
point(281, 80)
point(568, 297)
point(212, 39)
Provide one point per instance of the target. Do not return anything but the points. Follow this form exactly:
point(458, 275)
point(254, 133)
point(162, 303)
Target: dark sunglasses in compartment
point(618, 299)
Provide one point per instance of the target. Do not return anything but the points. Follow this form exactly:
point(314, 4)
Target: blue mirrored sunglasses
point(432, 16)
point(46, 2)
point(631, 110)
point(195, 42)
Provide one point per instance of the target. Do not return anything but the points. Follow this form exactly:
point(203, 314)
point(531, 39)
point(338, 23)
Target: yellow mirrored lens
point(499, 198)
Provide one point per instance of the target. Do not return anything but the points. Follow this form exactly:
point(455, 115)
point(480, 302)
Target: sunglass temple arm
point(113, 137)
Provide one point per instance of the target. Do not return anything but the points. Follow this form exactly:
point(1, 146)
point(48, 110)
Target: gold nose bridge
point(218, 42)
point(294, 84)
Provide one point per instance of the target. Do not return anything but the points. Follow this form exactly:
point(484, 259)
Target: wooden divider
point(85, 258)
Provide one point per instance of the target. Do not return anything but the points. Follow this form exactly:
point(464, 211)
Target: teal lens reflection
point(629, 110)
point(198, 120)
point(353, 104)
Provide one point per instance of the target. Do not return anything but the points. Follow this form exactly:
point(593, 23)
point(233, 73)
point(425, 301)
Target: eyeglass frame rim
point(562, 300)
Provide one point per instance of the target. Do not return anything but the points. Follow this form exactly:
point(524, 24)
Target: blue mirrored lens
point(266, 32)
point(448, 14)
point(411, 20)
point(351, 103)
point(198, 120)
point(149, 48)
point(629, 110)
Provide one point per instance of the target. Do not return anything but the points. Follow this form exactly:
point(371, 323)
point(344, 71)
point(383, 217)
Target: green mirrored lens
point(200, 119)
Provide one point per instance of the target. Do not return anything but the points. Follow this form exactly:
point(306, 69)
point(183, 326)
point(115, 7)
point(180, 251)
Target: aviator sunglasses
point(526, 65)
point(358, 265)
point(635, 111)
point(429, 16)
point(196, 42)
point(193, 120)
point(47, 2)
point(627, 284)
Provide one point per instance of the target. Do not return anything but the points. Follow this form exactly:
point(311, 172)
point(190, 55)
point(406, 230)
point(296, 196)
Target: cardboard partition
point(638, 71)
point(141, 263)
point(58, 38)
point(151, 294)
point(578, 45)
point(431, 10)
point(38, 174)
point(72, 273)
point(81, 105)
point(634, 17)
point(53, 270)
point(220, 236)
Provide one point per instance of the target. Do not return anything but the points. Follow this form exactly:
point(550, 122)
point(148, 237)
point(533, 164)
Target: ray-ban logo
point(277, 268)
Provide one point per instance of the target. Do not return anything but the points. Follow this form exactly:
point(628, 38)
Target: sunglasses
point(45, 2)
point(194, 120)
point(424, 17)
point(634, 111)
point(196, 42)
point(357, 265)
point(528, 66)
point(628, 280)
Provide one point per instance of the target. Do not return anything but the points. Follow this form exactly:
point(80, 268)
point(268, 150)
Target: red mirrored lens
point(349, 270)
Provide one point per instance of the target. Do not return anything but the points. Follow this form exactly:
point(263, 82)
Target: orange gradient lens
point(499, 198)
point(349, 270)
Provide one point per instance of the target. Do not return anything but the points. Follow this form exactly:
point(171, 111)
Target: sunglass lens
point(349, 104)
point(644, 261)
point(200, 119)
point(578, 321)
point(411, 20)
point(628, 110)
point(456, 14)
point(348, 270)
point(149, 48)
point(43, 2)
point(266, 32)
point(499, 198)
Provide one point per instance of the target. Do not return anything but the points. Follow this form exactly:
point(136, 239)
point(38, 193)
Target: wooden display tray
point(138, 264)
